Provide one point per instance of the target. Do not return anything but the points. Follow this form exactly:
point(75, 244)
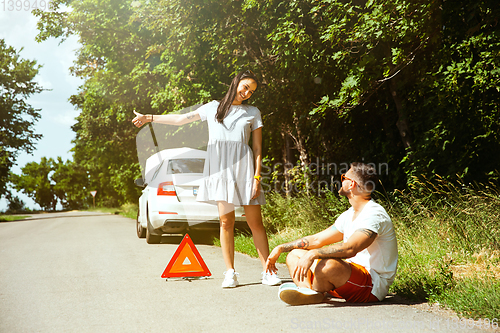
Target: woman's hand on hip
point(256, 189)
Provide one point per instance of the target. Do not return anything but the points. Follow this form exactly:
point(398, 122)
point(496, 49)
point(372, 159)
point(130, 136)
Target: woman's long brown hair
point(227, 101)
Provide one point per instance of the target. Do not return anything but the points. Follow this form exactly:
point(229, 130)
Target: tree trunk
point(402, 124)
point(286, 158)
point(301, 147)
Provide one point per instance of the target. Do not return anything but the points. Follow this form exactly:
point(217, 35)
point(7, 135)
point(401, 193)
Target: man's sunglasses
point(343, 177)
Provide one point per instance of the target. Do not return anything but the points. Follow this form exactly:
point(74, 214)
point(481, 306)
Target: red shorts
point(358, 289)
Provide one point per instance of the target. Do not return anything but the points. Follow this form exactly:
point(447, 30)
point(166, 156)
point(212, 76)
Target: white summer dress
point(229, 167)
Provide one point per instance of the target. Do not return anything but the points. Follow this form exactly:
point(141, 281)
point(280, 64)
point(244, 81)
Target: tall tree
point(17, 117)
point(107, 60)
point(411, 86)
point(71, 184)
point(36, 183)
point(459, 110)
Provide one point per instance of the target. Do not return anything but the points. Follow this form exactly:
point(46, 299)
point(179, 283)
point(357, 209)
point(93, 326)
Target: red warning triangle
point(186, 261)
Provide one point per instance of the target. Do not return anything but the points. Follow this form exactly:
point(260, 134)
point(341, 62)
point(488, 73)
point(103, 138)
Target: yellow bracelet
point(259, 178)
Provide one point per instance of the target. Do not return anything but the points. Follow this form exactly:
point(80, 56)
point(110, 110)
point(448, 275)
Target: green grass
point(449, 246)
point(127, 210)
point(9, 218)
point(477, 297)
point(448, 240)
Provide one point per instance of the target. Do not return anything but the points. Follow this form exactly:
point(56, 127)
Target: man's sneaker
point(288, 285)
point(293, 295)
point(230, 279)
point(270, 279)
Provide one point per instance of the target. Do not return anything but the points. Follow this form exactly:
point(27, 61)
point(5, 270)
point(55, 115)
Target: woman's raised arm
point(169, 119)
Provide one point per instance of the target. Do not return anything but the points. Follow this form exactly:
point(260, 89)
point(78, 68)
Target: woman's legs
point(227, 217)
point(254, 220)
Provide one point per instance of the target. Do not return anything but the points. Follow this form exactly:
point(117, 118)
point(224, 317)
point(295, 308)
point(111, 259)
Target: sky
point(18, 29)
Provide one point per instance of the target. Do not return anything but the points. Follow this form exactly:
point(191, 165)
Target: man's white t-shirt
point(380, 258)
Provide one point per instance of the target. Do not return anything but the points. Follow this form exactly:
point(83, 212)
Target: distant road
point(88, 272)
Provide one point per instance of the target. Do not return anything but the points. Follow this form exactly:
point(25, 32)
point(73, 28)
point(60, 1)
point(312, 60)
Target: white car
point(168, 202)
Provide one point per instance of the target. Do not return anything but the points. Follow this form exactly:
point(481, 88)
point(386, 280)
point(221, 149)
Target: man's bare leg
point(330, 274)
point(303, 296)
point(291, 262)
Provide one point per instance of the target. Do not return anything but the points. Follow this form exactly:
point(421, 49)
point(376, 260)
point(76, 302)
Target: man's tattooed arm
point(334, 251)
point(368, 232)
point(298, 244)
point(343, 251)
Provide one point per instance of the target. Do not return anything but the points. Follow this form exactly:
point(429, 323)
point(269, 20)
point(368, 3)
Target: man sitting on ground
point(361, 268)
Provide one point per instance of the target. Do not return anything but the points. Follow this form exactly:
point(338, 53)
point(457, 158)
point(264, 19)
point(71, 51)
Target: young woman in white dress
point(232, 169)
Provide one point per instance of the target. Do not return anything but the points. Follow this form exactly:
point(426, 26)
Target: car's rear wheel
point(150, 237)
point(141, 232)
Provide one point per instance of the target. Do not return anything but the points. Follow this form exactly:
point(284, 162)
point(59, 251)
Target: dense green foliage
point(17, 117)
point(411, 86)
point(51, 181)
point(35, 183)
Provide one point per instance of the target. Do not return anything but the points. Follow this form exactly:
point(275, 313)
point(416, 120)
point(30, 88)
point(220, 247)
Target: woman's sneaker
point(230, 279)
point(270, 279)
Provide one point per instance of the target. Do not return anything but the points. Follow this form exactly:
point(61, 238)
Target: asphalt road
point(88, 272)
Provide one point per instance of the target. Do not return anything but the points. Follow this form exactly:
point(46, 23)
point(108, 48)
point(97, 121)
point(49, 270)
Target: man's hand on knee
point(301, 271)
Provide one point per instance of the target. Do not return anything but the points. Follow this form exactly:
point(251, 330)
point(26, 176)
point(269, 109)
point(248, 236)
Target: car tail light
point(166, 188)
point(168, 213)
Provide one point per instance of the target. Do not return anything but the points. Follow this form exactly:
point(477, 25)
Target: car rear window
point(186, 165)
